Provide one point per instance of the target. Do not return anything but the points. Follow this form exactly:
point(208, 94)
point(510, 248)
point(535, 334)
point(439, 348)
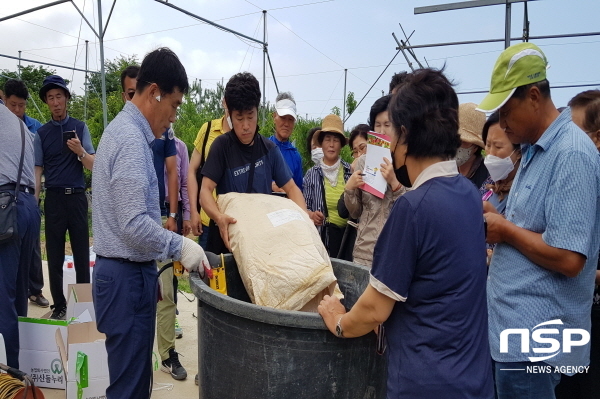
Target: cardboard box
point(38, 355)
point(84, 360)
point(79, 300)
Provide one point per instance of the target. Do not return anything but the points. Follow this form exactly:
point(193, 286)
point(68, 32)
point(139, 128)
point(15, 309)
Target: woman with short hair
point(428, 280)
point(502, 161)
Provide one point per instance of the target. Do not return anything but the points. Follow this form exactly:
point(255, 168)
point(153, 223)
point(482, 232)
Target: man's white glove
point(193, 257)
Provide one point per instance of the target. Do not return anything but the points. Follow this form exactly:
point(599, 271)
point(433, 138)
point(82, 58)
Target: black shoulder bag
point(8, 203)
point(202, 162)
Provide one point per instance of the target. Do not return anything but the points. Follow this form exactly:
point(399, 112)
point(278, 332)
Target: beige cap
point(471, 122)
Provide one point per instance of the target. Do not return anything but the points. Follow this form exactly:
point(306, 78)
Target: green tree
point(33, 77)
point(113, 70)
point(336, 110)
point(351, 103)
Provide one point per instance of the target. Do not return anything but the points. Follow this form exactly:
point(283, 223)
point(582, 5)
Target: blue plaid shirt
point(556, 193)
point(125, 209)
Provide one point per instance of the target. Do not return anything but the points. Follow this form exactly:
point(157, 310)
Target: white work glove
point(193, 257)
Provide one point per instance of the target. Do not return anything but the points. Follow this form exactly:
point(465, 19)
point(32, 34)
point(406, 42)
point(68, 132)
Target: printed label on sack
point(283, 216)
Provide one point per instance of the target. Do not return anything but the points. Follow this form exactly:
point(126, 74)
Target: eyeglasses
point(130, 94)
point(361, 148)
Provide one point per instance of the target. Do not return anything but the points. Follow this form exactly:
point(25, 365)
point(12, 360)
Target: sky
point(310, 42)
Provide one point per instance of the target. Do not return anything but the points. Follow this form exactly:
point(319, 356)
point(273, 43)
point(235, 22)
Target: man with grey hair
point(285, 119)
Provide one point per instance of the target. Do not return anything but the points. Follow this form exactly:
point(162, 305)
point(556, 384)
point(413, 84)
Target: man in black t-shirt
point(242, 160)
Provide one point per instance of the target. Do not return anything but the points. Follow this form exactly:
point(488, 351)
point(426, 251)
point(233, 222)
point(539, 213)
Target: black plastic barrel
point(248, 351)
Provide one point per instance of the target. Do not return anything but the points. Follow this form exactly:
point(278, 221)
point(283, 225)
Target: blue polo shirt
point(556, 193)
point(431, 258)
point(32, 124)
point(162, 149)
point(61, 168)
point(292, 159)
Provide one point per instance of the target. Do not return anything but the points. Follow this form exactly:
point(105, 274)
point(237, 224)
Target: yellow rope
point(9, 386)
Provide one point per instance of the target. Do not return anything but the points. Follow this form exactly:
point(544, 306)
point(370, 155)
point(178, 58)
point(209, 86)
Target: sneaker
point(196, 379)
point(173, 367)
point(58, 314)
point(178, 329)
point(39, 300)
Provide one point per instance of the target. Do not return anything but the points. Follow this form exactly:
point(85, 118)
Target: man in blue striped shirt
point(541, 276)
point(128, 235)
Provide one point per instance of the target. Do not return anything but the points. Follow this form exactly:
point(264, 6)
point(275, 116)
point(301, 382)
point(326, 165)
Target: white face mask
point(463, 155)
point(499, 168)
point(316, 155)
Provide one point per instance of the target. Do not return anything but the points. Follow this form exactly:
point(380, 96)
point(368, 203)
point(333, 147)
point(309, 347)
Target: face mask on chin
point(463, 155)
point(499, 168)
point(317, 155)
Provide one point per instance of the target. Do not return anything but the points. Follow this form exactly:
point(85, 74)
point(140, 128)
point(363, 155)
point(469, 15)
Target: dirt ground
point(164, 385)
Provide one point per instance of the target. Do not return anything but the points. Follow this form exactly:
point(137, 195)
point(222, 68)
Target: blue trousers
point(15, 259)
point(203, 238)
point(513, 384)
point(125, 295)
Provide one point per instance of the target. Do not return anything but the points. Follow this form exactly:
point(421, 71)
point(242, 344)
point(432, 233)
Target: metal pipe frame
point(85, 19)
point(55, 3)
point(464, 4)
point(563, 36)
point(47, 63)
point(210, 22)
point(272, 73)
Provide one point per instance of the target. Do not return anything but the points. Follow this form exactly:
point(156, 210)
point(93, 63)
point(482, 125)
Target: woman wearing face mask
point(468, 157)
point(313, 147)
point(428, 281)
point(324, 184)
point(502, 162)
point(371, 210)
point(358, 144)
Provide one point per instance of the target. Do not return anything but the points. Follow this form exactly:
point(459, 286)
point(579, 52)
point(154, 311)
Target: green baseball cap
point(518, 65)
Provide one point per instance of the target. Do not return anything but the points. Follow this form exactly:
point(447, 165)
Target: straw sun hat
point(471, 124)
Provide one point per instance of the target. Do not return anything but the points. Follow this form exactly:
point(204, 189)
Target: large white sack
point(279, 252)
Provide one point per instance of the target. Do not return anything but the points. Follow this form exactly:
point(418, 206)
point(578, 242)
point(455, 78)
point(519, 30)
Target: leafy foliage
point(200, 105)
point(351, 103)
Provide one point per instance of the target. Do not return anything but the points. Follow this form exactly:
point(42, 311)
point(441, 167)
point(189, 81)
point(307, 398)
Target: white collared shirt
point(438, 169)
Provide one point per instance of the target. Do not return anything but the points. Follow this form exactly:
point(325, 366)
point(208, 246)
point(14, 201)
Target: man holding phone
point(63, 147)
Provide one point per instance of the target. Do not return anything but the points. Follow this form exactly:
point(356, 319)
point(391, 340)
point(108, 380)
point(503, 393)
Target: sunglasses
point(130, 94)
point(380, 345)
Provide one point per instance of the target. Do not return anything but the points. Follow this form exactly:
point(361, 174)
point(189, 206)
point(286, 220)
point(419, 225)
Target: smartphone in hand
point(66, 136)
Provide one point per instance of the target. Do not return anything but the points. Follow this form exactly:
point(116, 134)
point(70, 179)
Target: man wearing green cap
point(541, 277)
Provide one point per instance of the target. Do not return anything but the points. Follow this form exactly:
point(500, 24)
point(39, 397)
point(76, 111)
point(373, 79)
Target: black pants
point(36, 276)
point(215, 242)
point(66, 212)
point(585, 385)
point(15, 258)
point(335, 235)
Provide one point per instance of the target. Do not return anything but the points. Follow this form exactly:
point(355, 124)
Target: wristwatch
point(79, 158)
point(338, 328)
point(173, 215)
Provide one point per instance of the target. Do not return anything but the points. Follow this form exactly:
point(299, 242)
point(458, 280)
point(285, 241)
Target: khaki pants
point(165, 313)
